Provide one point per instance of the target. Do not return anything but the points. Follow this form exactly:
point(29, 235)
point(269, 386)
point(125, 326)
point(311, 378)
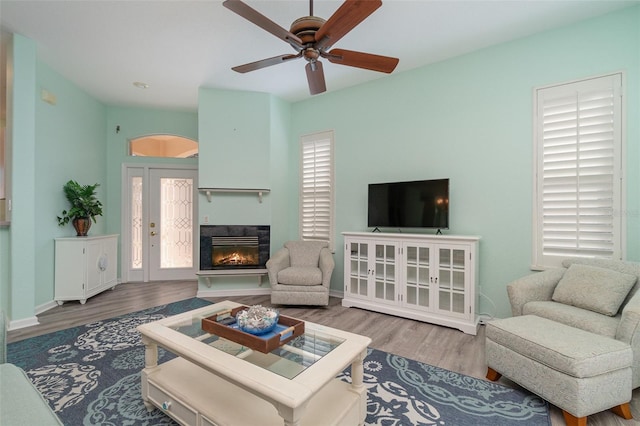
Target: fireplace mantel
point(209, 191)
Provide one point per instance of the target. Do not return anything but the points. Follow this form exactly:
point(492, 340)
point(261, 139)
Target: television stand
point(438, 232)
point(430, 278)
point(376, 229)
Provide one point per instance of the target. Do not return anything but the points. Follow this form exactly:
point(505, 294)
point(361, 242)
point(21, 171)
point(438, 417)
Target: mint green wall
point(470, 119)
point(51, 144)
point(70, 144)
point(235, 133)
point(136, 122)
point(22, 232)
point(244, 144)
point(281, 197)
point(73, 139)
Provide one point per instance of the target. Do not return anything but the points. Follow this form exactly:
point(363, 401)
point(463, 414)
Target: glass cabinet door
point(358, 257)
point(451, 280)
point(417, 274)
point(385, 272)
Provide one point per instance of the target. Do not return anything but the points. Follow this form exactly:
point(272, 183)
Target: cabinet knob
point(153, 233)
point(166, 405)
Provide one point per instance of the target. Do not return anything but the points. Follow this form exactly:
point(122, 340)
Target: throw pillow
point(596, 289)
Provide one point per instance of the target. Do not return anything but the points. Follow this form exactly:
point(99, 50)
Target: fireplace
point(229, 247)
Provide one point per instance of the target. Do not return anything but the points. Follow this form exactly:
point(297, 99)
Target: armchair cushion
point(300, 275)
point(592, 288)
point(575, 317)
point(305, 253)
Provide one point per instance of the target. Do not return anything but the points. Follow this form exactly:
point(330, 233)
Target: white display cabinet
point(85, 266)
point(431, 278)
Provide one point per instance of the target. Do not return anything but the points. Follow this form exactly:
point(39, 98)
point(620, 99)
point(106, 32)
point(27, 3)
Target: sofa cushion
point(575, 317)
point(300, 275)
point(596, 289)
point(305, 253)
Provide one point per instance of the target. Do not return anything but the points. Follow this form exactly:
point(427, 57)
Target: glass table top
point(288, 360)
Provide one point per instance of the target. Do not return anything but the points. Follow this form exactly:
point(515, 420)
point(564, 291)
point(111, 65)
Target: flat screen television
point(415, 204)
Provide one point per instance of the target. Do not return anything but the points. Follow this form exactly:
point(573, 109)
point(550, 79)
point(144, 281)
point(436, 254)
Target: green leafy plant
point(83, 202)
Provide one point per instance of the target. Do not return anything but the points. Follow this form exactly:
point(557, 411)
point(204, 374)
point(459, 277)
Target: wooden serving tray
point(286, 329)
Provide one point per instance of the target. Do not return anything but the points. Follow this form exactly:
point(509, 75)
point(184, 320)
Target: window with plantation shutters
point(578, 177)
point(316, 188)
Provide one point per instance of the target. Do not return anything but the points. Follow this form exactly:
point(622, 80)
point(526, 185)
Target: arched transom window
point(168, 146)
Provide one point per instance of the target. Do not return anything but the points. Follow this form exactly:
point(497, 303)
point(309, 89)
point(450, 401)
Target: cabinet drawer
point(171, 406)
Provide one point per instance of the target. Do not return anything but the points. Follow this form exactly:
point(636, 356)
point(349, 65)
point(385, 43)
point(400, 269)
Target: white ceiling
point(178, 46)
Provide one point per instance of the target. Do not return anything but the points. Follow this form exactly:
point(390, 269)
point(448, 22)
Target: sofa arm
point(629, 332)
point(534, 287)
point(326, 266)
point(22, 403)
point(277, 263)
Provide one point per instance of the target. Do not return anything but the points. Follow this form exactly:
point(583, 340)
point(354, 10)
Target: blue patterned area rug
point(91, 376)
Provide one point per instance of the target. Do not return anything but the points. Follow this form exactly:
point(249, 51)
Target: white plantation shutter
point(316, 188)
point(578, 183)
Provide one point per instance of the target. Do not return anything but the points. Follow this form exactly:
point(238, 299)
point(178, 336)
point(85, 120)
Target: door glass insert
point(136, 222)
point(177, 223)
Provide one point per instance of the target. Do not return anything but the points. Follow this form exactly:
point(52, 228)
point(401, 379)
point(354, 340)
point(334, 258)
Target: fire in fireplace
point(233, 251)
point(234, 246)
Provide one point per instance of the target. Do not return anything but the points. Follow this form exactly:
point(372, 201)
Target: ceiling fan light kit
point(312, 36)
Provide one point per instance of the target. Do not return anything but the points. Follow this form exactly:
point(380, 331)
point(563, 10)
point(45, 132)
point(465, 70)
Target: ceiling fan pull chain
point(310, 7)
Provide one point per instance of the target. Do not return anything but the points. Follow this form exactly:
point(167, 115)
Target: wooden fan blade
point(350, 14)
point(252, 66)
point(315, 78)
point(367, 61)
point(252, 15)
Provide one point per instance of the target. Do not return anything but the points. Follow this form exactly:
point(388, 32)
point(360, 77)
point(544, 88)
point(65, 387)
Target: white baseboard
point(28, 322)
point(45, 307)
point(22, 323)
point(336, 293)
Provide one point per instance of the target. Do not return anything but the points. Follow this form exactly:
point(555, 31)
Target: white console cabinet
point(85, 266)
point(431, 278)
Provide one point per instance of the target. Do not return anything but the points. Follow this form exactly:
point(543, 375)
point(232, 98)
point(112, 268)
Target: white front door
point(159, 226)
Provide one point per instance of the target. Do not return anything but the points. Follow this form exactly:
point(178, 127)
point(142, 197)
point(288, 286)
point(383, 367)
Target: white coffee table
point(216, 382)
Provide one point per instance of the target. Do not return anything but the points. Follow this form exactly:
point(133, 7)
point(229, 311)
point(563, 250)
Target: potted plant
point(84, 206)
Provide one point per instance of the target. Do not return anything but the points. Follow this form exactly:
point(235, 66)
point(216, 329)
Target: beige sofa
point(21, 403)
point(591, 305)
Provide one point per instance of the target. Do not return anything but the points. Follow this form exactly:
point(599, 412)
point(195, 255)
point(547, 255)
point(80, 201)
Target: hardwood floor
point(431, 344)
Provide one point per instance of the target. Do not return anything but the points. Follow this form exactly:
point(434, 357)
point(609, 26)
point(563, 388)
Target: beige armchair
point(300, 273)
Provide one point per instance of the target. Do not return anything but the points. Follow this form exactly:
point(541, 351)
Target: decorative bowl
point(257, 320)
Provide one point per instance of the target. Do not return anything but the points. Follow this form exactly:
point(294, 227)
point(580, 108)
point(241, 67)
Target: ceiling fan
point(311, 37)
